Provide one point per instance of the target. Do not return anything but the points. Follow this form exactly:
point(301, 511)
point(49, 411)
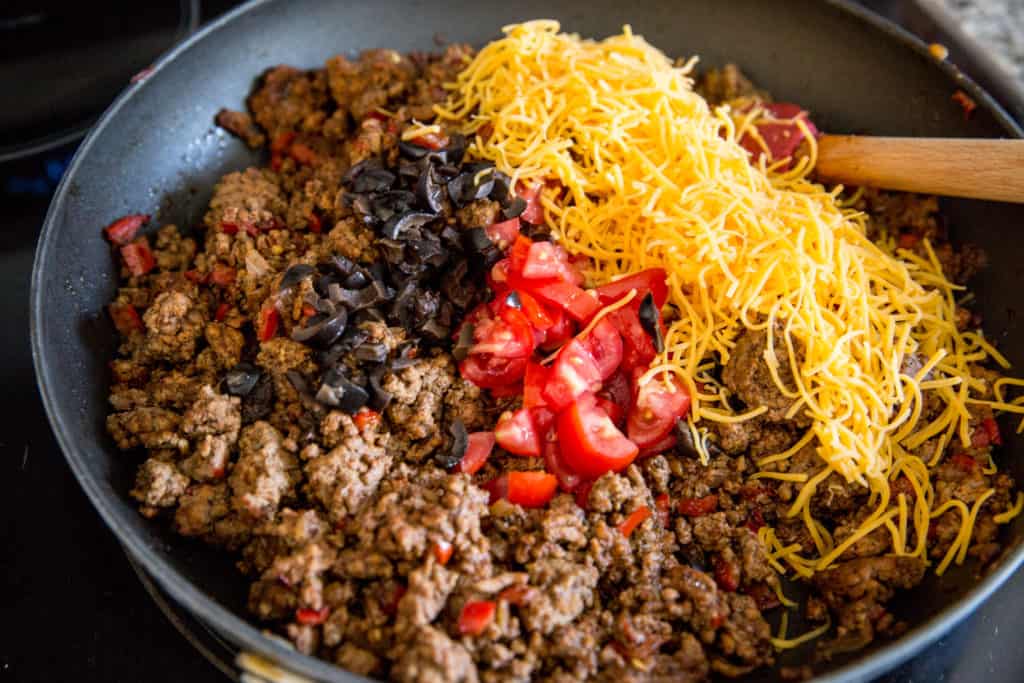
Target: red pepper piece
point(478, 450)
point(698, 507)
point(222, 275)
point(663, 506)
point(123, 230)
point(137, 257)
point(302, 153)
point(311, 617)
point(126, 318)
point(228, 228)
point(725, 575)
point(269, 320)
point(316, 225)
point(476, 616)
point(222, 312)
point(434, 141)
point(964, 462)
point(442, 551)
point(366, 417)
point(389, 605)
point(635, 519)
point(755, 520)
point(991, 427)
point(518, 594)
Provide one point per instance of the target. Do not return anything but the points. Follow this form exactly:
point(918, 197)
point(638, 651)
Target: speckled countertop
point(997, 26)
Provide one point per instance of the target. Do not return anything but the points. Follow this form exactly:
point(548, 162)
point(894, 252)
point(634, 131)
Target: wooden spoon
point(954, 167)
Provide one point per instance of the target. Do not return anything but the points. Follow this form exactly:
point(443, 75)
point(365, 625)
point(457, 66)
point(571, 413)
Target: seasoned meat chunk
point(241, 125)
point(246, 199)
point(433, 657)
point(159, 484)
point(146, 427)
point(264, 474)
point(173, 324)
point(747, 375)
point(344, 479)
point(566, 588)
point(419, 390)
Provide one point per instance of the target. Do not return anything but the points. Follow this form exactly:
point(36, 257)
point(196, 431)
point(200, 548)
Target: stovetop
point(73, 606)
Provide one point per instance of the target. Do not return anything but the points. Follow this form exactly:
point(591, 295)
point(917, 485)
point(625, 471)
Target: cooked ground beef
point(359, 547)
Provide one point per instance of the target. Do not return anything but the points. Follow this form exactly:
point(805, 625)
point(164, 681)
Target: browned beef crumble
point(337, 515)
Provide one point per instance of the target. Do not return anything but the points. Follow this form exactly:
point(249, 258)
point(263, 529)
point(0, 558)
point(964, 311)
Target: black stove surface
point(75, 610)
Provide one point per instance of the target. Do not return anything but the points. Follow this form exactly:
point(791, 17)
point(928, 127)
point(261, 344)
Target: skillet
point(156, 151)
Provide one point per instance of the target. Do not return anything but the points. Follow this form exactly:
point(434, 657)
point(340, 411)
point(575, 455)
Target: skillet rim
point(248, 636)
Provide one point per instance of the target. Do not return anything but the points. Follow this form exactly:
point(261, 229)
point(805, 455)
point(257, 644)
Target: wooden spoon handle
point(979, 169)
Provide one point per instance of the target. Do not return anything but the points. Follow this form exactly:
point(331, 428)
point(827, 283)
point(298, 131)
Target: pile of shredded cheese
point(653, 177)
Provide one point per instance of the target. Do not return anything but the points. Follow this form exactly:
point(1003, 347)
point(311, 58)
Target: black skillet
point(156, 151)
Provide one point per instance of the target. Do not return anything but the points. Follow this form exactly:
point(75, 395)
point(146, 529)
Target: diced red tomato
point(518, 253)
point(635, 519)
point(123, 230)
point(534, 212)
point(534, 381)
point(782, 137)
point(568, 480)
point(725, 575)
point(698, 507)
point(540, 317)
point(565, 296)
point(282, 141)
point(434, 141)
point(508, 390)
point(665, 444)
point(490, 372)
point(907, 240)
point(614, 411)
point(530, 489)
point(637, 347)
point(316, 225)
point(583, 493)
point(656, 410)
point(755, 520)
point(653, 280)
point(964, 462)
point(591, 444)
point(442, 551)
point(560, 331)
point(507, 336)
point(138, 257)
point(476, 616)
point(126, 318)
point(269, 320)
point(663, 507)
point(574, 373)
point(619, 389)
point(195, 276)
point(543, 418)
point(752, 491)
point(365, 418)
point(605, 345)
point(223, 276)
point(504, 233)
point(312, 617)
point(228, 228)
point(544, 261)
point(516, 433)
point(478, 450)
point(518, 594)
point(222, 312)
point(497, 276)
point(991, 428)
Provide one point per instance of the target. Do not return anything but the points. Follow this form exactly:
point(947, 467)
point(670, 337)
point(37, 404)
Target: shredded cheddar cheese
point(641, 172)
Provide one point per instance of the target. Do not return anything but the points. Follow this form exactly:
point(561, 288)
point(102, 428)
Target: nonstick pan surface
point(157, 151)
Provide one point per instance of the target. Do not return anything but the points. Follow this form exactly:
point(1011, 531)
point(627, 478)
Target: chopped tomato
point(507, 336)
point(539, 316)
point(614, 411)
point(560, 331)
point(753, 492)
point(195, 276)
point(567, 479)
point(504, 233)
point(755, 520)
point(663, 506)
point(434, 141)
point(507, 390)
point(565, 296)
point(653, 280)
point(605, 345)
point(478, 449)
point(123, 230)
point(635, 519)
point(518, 253)
point(269, 320)
point(530, 489)
point(698, 507)
point(591, 443)
point(619, 390)
point(126, 318)
point(907, 240)
point(964, 462)
point(312, 617)
point(725, 575)
point(637, 347)
point(223, 276)
point(222, 312)
point(534, 212)
point(315, 224)
point(535, 380)
point(546, 260)
point(228, 228)
point(782, 137)
point(656, 410)
point(490, 372)
point(543, 418)
point(442, 551)
point(574, 373)
point(497, 276)
point(282, 141)
point(365, 418)
point(138, 257)
point(475, 617)
point(991, 428)
point(660, 446)
point(583, 493)
point(518, 594)
point(516, 433)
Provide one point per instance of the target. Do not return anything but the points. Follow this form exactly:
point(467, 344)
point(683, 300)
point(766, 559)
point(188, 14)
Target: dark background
point(71, 605)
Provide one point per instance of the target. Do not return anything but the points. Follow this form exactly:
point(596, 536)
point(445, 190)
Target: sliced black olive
point(684, 440)
point(241, 379)
point(381, 397)
point(322, 285)
point(357, 280)
point(430, 190)
point(393, 251)
point(297, 381)
point(464, 342)
point(370, 164)
point(460, 189)
point(295, 275)
point(334, 377)
point(339, 264)
point(451, 238)
point(434, 330)
point(411, 151)
point(368, 352)
point(460, 442)
point(259, 402)
point(344, 395)
point(429, 250)
point(477, 241)
point(455, 150)
point(401, 306)
point(650, 320)
point(398, 225)
point(502, 190)
point(394, 202)
point(457, 286)
point(514, 209)
point(374, 180)
point(322, 330)
point(369, 315)
point(357, 299)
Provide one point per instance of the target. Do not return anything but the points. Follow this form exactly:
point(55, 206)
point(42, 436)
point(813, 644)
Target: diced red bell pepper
point(657, 409)
point(442, 551)
point(605, 345)
point(475, 617)
point(222, 275)
point(725, 575)
point(782, 137)
point(316, 225)
point(663, 507)
point(534, 212)
point(269, 320)
point(516, 433)
point(137, 257)
point(964, 462)
point(222, 312)
point(591, 444)
point(312, 617)
point(755, 520)
point(302, 153)
point(365, 418)
point(123, 230)
point(503, 234)
point(574, 373)
point(529, 489)
point(635, 519)
point(228, 228)
point(126, 318)
point(434, 141)
point(478, 450)
point(653, 280)
point(519, 594)
point(583, 493)
point(698, 507)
